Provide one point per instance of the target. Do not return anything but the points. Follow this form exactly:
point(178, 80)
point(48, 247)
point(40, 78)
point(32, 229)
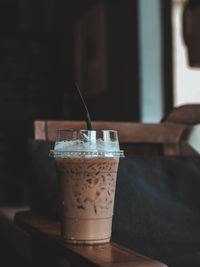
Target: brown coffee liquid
point(87, 190)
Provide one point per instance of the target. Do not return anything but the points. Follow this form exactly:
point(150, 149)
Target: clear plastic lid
point(85, 143)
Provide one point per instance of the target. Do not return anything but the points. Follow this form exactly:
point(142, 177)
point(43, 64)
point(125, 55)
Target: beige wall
point(186, 79)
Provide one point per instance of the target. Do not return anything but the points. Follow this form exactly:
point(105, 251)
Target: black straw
point(88, 119)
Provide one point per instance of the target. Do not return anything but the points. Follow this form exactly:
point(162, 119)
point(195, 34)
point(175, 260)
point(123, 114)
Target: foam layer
point(98, 145)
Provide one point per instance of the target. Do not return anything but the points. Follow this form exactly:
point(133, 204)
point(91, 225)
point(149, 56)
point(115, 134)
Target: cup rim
point(62, 154)
point(85, 130)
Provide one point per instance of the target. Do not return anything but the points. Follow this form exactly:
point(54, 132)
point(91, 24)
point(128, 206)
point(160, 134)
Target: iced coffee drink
point(87, 171)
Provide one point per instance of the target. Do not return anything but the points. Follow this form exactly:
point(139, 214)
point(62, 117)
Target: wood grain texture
point(110, 254)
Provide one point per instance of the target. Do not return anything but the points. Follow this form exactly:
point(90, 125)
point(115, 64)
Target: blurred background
point(129, 58)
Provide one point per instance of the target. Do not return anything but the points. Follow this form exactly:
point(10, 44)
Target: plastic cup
point(87, 163)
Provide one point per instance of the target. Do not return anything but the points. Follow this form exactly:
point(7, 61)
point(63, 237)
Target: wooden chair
point(46, 232)
point(167, 137)
point(135, 138)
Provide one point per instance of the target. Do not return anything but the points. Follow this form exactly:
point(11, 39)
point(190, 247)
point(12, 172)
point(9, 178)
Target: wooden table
point(48, 247)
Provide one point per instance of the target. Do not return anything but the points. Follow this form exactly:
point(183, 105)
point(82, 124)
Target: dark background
point(37, 73)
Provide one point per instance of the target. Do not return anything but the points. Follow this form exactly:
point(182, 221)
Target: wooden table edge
point(79, 251)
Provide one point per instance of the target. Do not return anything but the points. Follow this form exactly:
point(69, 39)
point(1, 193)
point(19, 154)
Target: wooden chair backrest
point(135, 138)
point(186, 114)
